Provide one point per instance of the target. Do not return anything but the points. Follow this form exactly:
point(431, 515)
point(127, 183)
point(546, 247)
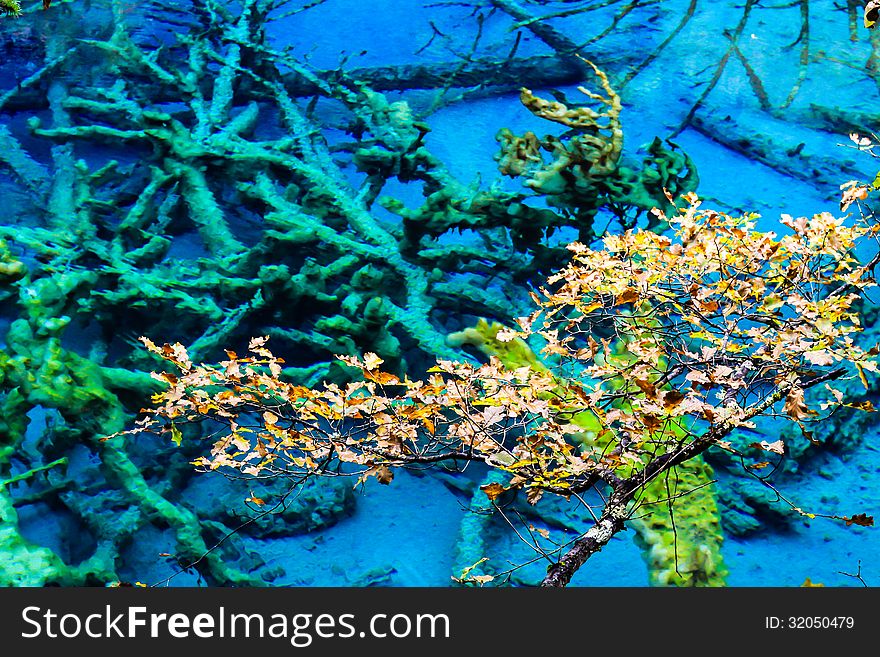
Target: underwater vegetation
point(179, 172)
point(10, 8)
point(13, 7)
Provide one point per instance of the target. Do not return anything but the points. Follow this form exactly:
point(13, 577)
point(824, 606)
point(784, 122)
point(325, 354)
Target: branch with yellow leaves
point(658, 347)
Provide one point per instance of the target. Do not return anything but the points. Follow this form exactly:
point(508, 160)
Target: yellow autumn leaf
point(862, 376)
point(372, 361)
point(176, 435)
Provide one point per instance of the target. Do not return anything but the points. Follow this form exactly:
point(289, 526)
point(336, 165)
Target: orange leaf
point(647, 387)
point(671, 399)
point(382, 378)
point(493, 491)
point(629, 295)
point(652, 422)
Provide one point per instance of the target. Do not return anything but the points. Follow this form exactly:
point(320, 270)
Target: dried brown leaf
point(384, 475)
point(860, 519)
point(777, 447)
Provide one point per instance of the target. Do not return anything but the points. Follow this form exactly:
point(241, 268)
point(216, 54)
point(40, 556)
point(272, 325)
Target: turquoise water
point(154, 245)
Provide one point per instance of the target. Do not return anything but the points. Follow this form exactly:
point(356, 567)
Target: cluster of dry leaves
point(659, 346)
point(715, 319)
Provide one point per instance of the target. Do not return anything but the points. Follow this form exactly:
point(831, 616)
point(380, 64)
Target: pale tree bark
point(613, 520)
point(616, 512)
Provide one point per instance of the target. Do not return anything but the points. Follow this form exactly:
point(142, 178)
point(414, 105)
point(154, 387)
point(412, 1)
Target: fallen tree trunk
point(502, 75)
point(782, 153)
